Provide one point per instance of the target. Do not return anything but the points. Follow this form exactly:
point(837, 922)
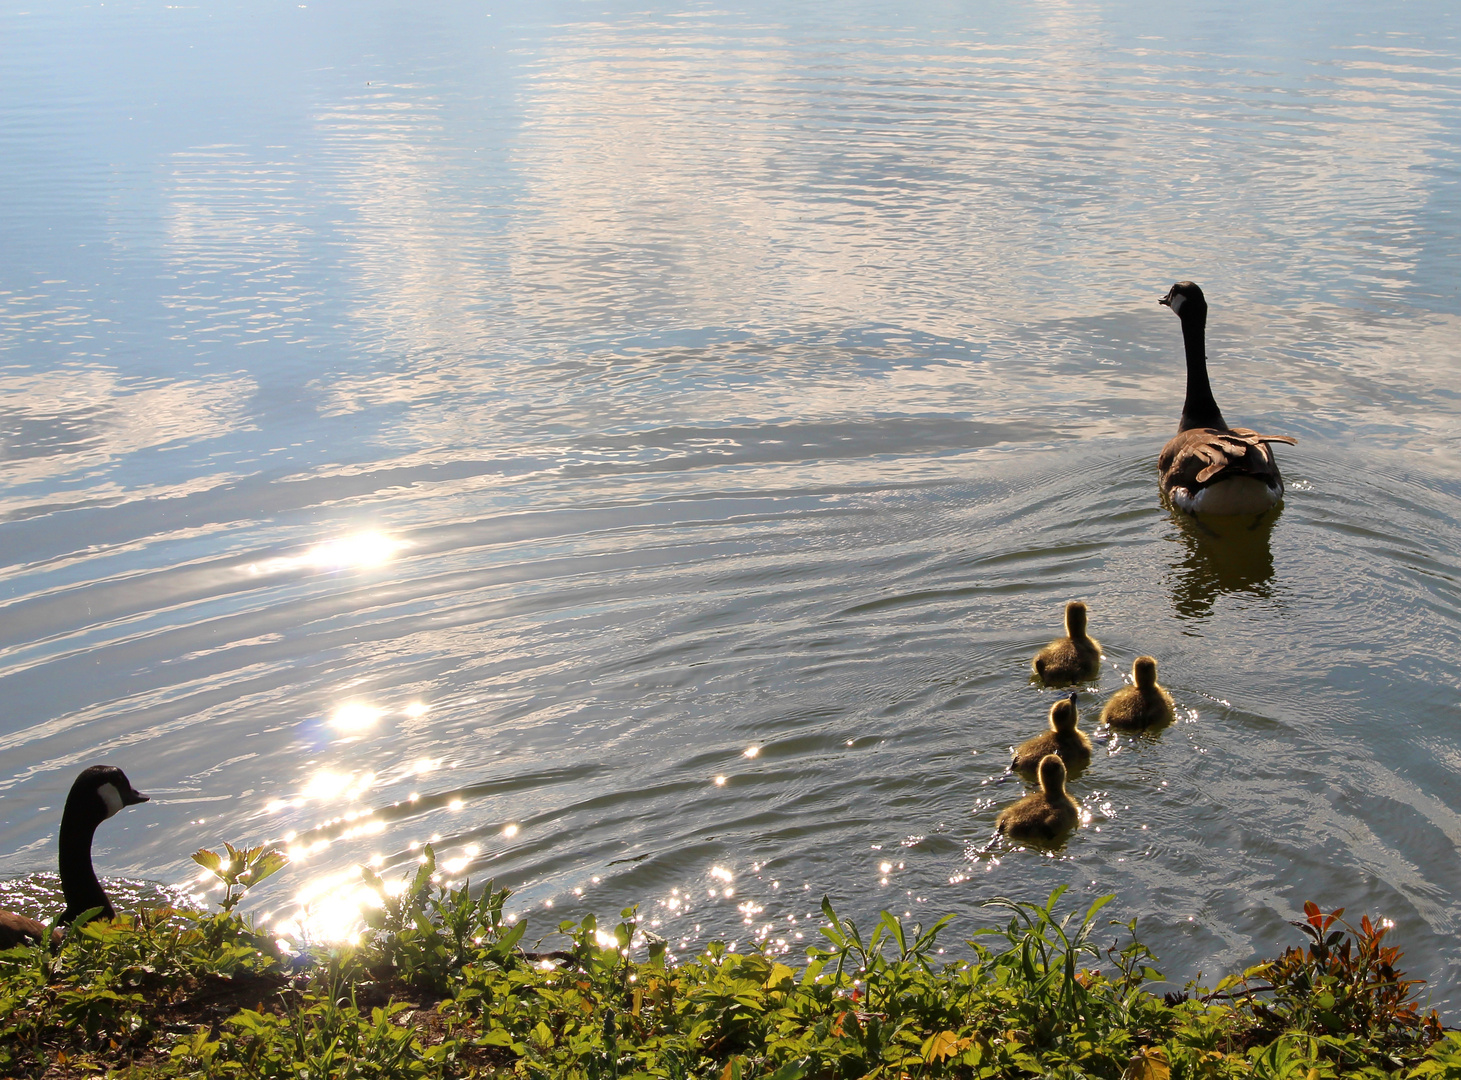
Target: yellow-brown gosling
point(1141, 706)
point(98, 793)
point(1073, 658)
point(1045, 815)
point(1064, 738)
point(1208, 467)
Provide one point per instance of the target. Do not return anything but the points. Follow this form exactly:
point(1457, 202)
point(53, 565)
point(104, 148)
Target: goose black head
point(1063, 715)
point(1052, 776)
point(1185, 299)
point(101, 791)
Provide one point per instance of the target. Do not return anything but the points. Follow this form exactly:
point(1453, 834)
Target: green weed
point(441, 987)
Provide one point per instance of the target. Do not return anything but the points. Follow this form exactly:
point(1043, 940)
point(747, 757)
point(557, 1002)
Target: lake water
point(640, 452)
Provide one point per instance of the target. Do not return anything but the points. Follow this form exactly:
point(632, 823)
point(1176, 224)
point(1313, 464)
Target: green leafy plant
point(425, 932)
point(1343, 988)
point(439, 987)
point(241, 869)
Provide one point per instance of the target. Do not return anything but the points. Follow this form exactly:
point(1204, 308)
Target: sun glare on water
point(356, 551)
point(355, 716)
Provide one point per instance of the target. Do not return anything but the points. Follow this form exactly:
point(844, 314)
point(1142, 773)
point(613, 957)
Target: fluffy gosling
point(1064, 738)
point(1141, 706)
point(1073, 658)
point(1045, 815)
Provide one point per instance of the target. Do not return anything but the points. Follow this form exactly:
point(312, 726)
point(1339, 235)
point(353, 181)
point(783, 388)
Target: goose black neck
point(78, 880)
point(1199, 410)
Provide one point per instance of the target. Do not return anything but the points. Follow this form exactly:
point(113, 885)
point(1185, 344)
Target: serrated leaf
point(265, 865)
point(1150, 1064)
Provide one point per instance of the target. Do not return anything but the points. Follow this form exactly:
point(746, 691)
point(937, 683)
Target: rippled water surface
point(640, 452)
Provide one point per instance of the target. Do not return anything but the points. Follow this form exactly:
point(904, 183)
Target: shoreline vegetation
point(441, 986)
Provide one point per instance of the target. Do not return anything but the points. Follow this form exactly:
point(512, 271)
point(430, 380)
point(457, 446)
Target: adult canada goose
point(1208, 467)
point(98, 793)
point(1045, 814)
point(1141, 706)
point(1063, 739)
point(1073, 658)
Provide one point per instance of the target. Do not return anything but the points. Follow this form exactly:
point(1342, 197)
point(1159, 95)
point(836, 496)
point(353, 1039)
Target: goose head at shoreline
point(97, 794)
point(1209, 467)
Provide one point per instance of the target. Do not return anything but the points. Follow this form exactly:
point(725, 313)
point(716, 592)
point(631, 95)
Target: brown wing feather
point(1201, 456)
point(1253, 436)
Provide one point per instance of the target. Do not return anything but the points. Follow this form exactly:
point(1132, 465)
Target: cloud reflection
point(88, 417)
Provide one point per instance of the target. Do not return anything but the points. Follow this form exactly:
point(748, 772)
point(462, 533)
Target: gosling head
point(1063, 715)
point(1144, 671)
point(1186, 300)
point(1075, 619)
point(101, 791)
point(1052, 776)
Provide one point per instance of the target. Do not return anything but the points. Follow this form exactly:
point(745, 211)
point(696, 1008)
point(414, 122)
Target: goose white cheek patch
point(111, 796)
point(1177, 301)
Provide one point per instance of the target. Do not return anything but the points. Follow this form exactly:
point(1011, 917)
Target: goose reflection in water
point(1221, 555)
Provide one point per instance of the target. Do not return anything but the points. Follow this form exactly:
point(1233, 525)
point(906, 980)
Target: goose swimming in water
point(98, 793)
point(1064, 739)
point(1141, 706)
point(1208, 467)
point(1044, 815)
point(1073, 658)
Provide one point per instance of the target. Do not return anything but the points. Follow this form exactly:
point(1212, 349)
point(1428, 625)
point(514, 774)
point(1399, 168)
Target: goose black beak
point(1166, 301)
point(132, 798)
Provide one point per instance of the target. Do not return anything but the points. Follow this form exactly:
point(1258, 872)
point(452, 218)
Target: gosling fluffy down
point(1073, 658)
point(1064, 739)
point(1045, 815)
point(1141, 706)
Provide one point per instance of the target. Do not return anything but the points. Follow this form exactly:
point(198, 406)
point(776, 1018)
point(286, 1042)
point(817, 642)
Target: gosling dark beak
point(1072, 697)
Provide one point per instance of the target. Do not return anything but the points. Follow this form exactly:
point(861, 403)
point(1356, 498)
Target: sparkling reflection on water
point(638, 454)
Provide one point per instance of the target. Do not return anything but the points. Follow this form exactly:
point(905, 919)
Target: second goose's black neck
point(78, 880)
point(1199, 410)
